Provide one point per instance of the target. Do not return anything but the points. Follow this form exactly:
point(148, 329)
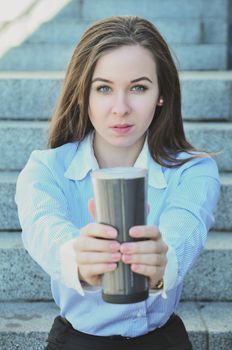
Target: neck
point(109, 156)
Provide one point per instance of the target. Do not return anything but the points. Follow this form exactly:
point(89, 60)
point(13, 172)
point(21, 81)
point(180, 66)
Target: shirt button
point(139, 314)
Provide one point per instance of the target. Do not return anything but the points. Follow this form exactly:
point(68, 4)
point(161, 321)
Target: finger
point(143, 247)
point(144, 231)
point(97, 269)
point(99, 230)
point(86, 258)
point(91, 208)
point(145, 259)
point(91, 244)
point(149, 271)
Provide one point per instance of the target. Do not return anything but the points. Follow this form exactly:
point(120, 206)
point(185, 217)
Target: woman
point(120, 106)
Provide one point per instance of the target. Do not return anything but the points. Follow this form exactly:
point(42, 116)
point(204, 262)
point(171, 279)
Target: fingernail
point(127, 258)
point(112, 266)
point(134, 267)
point(114, 246)
point(116, 256)
point(112, 233)
point(134, 232)
point(125, 248)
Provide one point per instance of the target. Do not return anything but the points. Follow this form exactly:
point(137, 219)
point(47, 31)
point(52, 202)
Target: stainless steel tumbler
point(120, 196)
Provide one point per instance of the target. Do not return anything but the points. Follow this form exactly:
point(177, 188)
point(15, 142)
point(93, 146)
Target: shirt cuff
point(170, 274)
point(69, 269)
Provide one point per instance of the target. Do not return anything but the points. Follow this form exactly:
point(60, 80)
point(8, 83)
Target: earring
point(161, 101)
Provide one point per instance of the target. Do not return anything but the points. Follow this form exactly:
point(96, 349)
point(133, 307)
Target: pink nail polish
point(127, 258)
point(114, 246)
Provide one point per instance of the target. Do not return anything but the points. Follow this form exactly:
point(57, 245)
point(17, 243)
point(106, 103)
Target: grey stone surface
point(47, 57)
point(181, 31)
point(212, 18)
point(60, 32)
point(218, 320)
point(21, 139)
point(223, 215)
point(200, 57)
point(168, 8)
point(211, 276)
point(33, 57)
point(206, 95)
point(8, 210)
point(25, 326)
point(22, 279)
point(194, 324)
point(212, 137)
point(28, 96)
point(215, 30)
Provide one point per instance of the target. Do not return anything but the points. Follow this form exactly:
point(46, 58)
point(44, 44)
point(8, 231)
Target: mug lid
point(119, 173)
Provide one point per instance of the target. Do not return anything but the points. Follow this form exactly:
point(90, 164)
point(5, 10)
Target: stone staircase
point(30, 79)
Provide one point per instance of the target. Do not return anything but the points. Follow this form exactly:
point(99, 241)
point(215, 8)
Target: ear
point(160, 101)
point(91, 208)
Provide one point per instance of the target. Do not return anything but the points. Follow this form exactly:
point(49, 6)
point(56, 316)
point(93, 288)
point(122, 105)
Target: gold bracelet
point(159, 285)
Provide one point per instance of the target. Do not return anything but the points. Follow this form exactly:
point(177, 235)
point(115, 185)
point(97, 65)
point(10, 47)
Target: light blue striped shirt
point(52, 196)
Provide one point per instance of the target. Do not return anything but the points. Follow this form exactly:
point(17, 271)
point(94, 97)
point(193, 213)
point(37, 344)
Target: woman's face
point(123, 97)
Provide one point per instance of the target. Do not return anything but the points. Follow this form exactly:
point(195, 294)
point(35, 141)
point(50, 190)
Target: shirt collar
point(84, 161)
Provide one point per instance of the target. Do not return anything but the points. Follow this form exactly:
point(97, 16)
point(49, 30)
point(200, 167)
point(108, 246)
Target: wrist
point(158, 285)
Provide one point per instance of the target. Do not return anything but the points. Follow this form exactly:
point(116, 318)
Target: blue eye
point(103, 88)
point(139, 88)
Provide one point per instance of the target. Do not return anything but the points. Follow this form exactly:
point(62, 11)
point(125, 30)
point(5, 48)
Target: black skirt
point(171, 336)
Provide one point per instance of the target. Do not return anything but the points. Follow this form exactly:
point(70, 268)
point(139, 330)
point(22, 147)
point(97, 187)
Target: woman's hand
point(146, 257)
point(97, 252)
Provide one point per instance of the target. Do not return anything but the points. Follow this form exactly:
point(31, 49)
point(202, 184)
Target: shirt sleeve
point(44, 216)
point(189, 213)
point(69, 270)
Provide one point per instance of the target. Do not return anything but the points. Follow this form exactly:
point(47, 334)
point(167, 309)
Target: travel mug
point(120, 196)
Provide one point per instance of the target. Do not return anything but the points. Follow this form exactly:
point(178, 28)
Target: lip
point(122, 128)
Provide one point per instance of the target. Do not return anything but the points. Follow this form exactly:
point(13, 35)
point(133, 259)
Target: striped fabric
point(52, 196)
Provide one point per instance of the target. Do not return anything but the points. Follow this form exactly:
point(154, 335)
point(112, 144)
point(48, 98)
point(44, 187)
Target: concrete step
point(175, 31)
point(201, 93)
point(206, 95)
point(22, 279)
point(29, 136)
point(35, 94)
point(46, 57)
point(208, 324)
point(213, 137)
point(8, 211)
point(26, 325)
point(212, 270)
point(157, 9)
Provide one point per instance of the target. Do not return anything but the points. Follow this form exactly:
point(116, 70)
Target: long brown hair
point(70, 122)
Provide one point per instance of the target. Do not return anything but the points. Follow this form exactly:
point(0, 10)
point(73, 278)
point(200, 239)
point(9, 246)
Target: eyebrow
point(132, 81)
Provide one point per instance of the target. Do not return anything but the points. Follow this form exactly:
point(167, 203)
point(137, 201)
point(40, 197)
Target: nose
point(121, 105)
